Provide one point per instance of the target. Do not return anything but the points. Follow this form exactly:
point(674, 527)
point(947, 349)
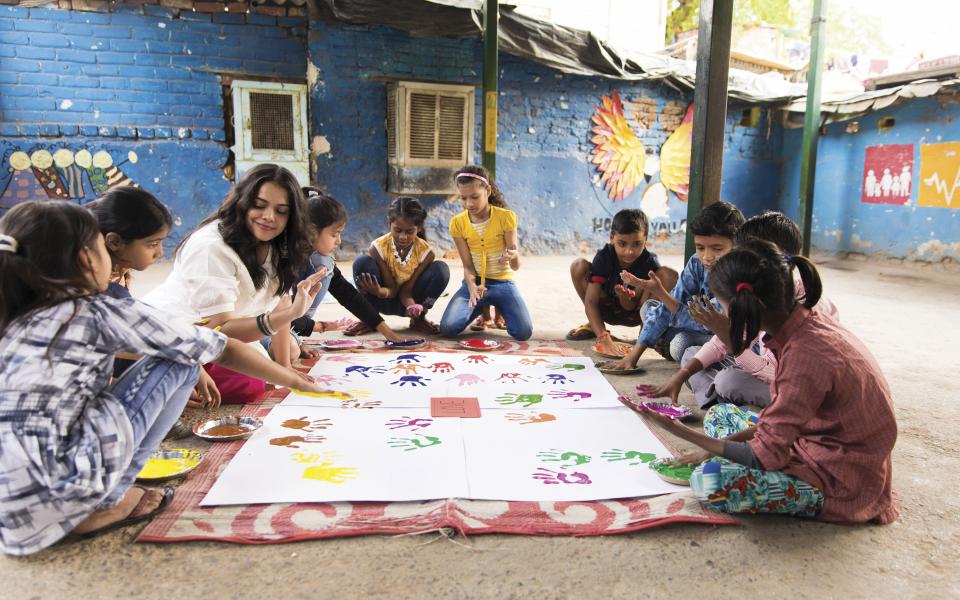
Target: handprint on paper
point(407, 358)
point(414, 424)
point(362, 370)
point(532, 361)
point(360, 404)
point(565, 395)
point(291, 441)
point(556, 379)
point(414, 443)
point(635, 456)
point(511, 378)
point(441, 367)
point(313, 457)
point(566, 367)
point(466, 379)
point(477, 359)
point(331, 474)
point(551, 477)
point(413, 380)
point(554, 455)
point(406, 369)
point(340, 358)
point(528, 418)
point(306, 424)
point(527, 400)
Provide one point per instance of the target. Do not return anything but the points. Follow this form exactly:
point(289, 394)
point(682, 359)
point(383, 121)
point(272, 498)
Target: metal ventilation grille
point(392, 123)
point(423, 125)
point(451, 144)
point(271, 121)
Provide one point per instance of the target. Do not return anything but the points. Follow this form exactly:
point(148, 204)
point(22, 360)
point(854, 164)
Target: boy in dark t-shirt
point(606, 299)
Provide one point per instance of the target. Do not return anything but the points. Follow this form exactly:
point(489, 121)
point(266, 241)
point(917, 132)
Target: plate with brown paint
point(226, 429)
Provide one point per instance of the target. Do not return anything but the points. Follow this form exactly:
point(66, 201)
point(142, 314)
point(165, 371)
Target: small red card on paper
point(454, 407)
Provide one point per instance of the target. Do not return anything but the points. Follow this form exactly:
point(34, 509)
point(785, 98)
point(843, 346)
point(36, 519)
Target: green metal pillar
point(491, 73)
point(811, 122)
point(709, 108)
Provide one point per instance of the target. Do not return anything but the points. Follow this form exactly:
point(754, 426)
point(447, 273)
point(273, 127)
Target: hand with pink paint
point(565, 395)
point(414, 310)
point(327, 379)
point(528, 419)
point(477, 359)
point(466, 379)
point(441, 367)
point(414, 424)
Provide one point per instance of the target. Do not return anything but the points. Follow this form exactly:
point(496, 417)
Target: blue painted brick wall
point(544, 138)
point(126, 76)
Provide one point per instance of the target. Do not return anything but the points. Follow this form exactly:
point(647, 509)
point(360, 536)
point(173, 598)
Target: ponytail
point(39, 257)
point(756, 279)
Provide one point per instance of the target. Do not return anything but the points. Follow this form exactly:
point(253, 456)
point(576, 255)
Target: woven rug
point(186, 520)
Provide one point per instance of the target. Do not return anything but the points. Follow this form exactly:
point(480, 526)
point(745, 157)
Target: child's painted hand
point(476, 294)
point(367, 282)
point(670, 389)
point(205, 394)
point(307, 290)
point(618, 365)
point(653, 285)
point(702, 310)
point(608, 346)
point(414, 310)
point(694, 457)
point(508, 255)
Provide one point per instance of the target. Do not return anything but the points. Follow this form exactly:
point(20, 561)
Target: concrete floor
point(903, 314)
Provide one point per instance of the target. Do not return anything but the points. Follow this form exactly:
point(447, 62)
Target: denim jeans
point(429, 286)
point(677, 340)
point(153, 393)
point(503, 294)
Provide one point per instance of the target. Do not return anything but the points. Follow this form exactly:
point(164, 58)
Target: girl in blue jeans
point(71, 444)
point(486, 237)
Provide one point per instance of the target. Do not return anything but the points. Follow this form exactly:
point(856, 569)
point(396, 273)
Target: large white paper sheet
point(309, 454)
point(409, 380)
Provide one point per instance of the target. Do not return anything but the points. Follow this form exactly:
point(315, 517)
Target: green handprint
point(636, 456)
point(554, 455)
point(566, 367)
point(413, 443)
point(527, 400)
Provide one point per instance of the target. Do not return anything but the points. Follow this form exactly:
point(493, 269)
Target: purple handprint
point(551, 477)
point(466, 379)
point(477, 359)
point(407, 358)
point(565, 395)
point(361, 370)
point(556, 379)
point(415, 424)
point(414, 380)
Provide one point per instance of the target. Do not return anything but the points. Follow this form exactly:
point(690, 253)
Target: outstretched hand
point(367, 282)
point(307, 290)
point(703, 311)
point(653, 285)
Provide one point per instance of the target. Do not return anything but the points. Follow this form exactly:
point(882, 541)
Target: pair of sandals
point(482, 324)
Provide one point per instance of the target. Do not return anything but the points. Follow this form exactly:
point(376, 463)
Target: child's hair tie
point(8, 243)
point(788, 258)
point(472, 176)
point(744, 286)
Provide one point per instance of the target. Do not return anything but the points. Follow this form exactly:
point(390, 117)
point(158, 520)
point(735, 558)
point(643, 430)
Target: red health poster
point(887, 174)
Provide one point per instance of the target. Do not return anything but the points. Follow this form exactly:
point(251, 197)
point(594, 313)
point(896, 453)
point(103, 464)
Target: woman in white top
point(235, 271)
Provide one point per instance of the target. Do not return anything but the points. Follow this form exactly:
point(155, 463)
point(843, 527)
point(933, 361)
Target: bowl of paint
point(480, 344)
point(226, 429)
point(341, 344)
point(671, 473)
point(169, 464)
point(412, 343)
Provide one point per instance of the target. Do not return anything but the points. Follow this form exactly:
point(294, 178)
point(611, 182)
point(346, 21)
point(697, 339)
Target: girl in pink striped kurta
point(822, 447)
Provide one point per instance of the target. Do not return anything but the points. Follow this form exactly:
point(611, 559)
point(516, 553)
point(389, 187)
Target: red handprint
point(512, 377)
point(441, 367)
point(477, 359)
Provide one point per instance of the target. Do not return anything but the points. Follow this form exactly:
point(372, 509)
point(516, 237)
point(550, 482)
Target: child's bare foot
point(422, 325)
point(138, 504)
point(480, 324)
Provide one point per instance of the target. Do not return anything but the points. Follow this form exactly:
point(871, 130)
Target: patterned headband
point(473, 176)
point(8, 243)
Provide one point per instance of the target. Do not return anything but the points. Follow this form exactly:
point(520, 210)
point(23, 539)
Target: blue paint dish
point(405, 344)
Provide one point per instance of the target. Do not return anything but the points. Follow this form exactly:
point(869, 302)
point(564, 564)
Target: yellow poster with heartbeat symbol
point(940, 175)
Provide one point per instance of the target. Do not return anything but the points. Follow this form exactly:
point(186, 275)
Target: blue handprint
point(413, 380)
point(407, 358)
point(362, 370)
point(557, 379)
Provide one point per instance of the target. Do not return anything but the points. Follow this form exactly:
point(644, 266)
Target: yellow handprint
point(329, 473)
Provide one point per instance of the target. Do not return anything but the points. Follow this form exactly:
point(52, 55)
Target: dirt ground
point(903, 313)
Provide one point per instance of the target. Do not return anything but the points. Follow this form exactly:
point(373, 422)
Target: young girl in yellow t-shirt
point(399, 275)
point(486, 237)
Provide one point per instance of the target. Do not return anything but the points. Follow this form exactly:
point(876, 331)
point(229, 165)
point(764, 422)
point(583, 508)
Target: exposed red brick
point(274, 11)
point(185, 4)
point(238, 7)
point(209, 7)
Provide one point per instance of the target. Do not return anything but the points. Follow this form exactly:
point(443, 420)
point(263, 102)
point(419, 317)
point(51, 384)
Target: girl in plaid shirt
point(71, 444)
